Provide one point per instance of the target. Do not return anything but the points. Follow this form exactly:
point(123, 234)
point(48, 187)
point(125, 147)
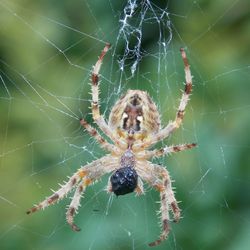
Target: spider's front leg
point(173, 125)
point(165, 132)
point(158, 177)
point(98, 118)
point(95, 90)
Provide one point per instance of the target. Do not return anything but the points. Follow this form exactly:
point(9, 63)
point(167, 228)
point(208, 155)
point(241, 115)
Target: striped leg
point(165, 132)
point(95, 168)
point(58, 195)
point(167, 150)
point(74, 206)
point(94, 173)
point(164, 220)
point(158, 177)
point(93, 132)
point(173, 125)
point(187, 91)
point(98, 118)
point(95, 89)
point(167, 201)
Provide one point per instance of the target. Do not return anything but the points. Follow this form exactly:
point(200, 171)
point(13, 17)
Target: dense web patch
point(136, 17)
point(46, 62)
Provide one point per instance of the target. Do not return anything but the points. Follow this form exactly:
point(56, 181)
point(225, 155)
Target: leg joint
point(95, 79)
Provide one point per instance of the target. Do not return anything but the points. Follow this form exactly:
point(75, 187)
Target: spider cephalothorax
point(133, 127)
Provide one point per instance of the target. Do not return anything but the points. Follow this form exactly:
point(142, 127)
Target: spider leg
point(98, 118)
point(167, 150)
point(165, 132)
point(93, 132)
point(139, 189)
point(159, 178)
point(173, 125)
point(94, 169)
point(74, 206)
point(58, 195)
point(167, 187)
point(92, 175)
point(109, 186)
point(95, 90)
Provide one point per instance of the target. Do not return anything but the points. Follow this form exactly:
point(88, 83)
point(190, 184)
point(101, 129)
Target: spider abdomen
point(124, 180)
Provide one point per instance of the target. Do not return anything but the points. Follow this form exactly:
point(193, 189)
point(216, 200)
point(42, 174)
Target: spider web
point(47, 52)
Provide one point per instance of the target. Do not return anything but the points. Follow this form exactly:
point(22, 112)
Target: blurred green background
point(47, 50)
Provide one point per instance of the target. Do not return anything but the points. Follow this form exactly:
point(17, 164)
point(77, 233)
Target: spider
point(134, 125)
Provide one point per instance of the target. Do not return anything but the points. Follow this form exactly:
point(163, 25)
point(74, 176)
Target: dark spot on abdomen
point(124, 181)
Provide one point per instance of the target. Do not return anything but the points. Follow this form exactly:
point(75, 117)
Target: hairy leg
point(91, 177)
point(93, 170)
point(75, 203)
point(57, 195)
point(173, 125)
point(167, 150)
point(139, 189)
point(74, 206)
point(104, 144)
point(158, 177)
point(98, 118)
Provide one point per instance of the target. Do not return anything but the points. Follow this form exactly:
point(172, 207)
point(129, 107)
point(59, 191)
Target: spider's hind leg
point(167, 200)
point(58, 195)
point(75, 203)
point(158, 177)
point(168, 189)
point(93, 172)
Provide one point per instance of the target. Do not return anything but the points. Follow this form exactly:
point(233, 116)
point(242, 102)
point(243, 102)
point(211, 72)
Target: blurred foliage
point(47, 49)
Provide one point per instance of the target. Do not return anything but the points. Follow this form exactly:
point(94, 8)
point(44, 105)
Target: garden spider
point(134, 126)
